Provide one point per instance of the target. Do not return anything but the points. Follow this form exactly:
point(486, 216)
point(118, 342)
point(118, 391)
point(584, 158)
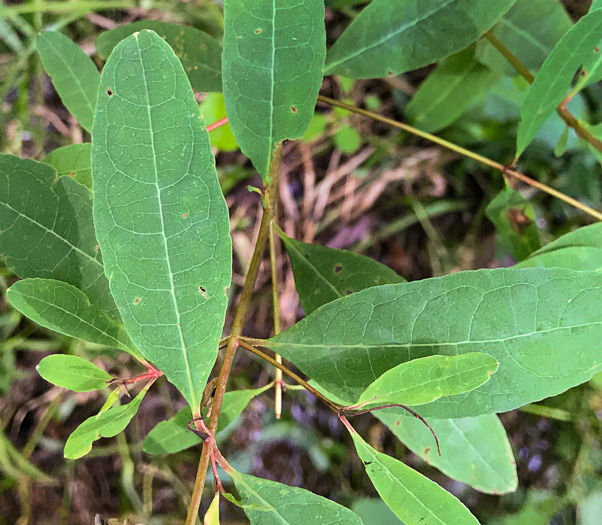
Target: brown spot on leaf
point(203, 291)
point(338, 268)
point(71, 174)
point(397, 422)
point(184, 215)
point(519, 221)
point(109, 92)
point(293, 109)
point(137, 300)
point(427, 451)
point(348, 292)
point(258, 31)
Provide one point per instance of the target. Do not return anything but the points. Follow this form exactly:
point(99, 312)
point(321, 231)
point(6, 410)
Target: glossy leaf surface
point(73, 161)
point(73, 74)
point(424, 380)
point(474, 450)
point(272, 72)
point(412, 497)
point(271, 503)
point(160, 216)
point(579, 250)
point(390, 37)
point(172, 435)
point(46, 229)
point(514, 315)
point(449, 91)
point(554, 78)
point(530, 29)
point(106, 424)
point(324, 274)
point(514, 222)
point(200, 53)
point(65, 309)
point(72, 372)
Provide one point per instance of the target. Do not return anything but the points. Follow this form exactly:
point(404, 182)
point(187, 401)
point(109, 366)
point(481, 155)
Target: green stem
point(276, 306)
point(550, 412)
point(466, 153)
point(564, 113)
point(237, 327)
point(65, 7)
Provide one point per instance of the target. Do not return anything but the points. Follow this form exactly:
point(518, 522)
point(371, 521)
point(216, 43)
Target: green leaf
point(424, 380)
point(65, 309)
point(212, 514)
point(72, 372)
point(530, 29)
point(106, 424)
point(73, 74)
point(213, 108)
point(515, 315)
point(412, 497)
point(46, 229)
point(374, 510)
point(554, 78)
point(160, 216)
point(272, 72)
point(449, 91)
point(474, 450)
point(271, 503)
point(324, 274)
point(390, 37)
point(171, 436)
point(200, 53)
point(578, 250)
point(14, 465)
point(514, 222)
point(72, 161)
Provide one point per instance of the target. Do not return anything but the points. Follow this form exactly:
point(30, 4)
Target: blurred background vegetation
point(350, 183)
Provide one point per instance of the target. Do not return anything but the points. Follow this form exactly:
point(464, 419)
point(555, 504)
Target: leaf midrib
point(164, 237)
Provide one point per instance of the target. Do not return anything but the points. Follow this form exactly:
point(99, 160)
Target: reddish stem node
point(217, 124)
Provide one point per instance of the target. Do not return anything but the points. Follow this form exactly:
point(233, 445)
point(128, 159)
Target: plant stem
point(80, 6)
point(564, 113)
point(465, 152)
point(219, 123)
point(237, 327)
point(290, 373)
point(276, 306)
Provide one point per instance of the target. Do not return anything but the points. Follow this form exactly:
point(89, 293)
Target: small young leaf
point(426, 379)
point(54, 214)
point(212, 514)
point(578, 250)
point(67, 310)
point(530, 29)
point(474, 450)
point(554, 78)
point(412, 497)
point(324, 274)
point(272, 66)
point(271, 503)
point(390, 37)
point(160, 216)
point(449, 91)
point(514, 315)
point(72, 161)
point(106, 424)
point(514, 222)
point(73, 74)
point(72, 372)
point(171, 436)
point(200, 53)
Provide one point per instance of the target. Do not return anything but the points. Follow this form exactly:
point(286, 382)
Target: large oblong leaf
point(474, 450)
point(390, 37)
point(200, 53)
point(324, 274)
point(515, 315)
point(72, 372)
point(67, 310)
point(271, 503)
point(578, 250)
point(272, 72)
point(424, 380)
point(554, 78)
point(73, 74)
point(160, 216)
point(46, 229)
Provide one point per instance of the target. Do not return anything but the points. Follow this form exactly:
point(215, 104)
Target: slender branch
point(334, 406)
point(276, 306)
point(237, 327)
point(562, 111)
point(466, 153)
point(219, 123)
